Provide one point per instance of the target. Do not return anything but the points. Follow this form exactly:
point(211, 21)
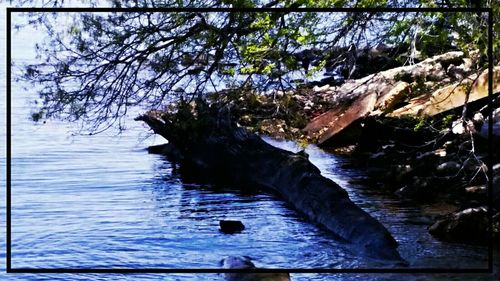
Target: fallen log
point(215, 150)
point(387, 93)
point(332, 122)
point(475, 87)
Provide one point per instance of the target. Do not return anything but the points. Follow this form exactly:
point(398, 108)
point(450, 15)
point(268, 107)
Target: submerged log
point(219, 152)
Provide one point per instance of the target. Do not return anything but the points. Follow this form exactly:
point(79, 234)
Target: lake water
point(102, 201)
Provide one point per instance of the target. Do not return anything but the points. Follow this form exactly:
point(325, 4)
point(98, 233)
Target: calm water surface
point(102, 201)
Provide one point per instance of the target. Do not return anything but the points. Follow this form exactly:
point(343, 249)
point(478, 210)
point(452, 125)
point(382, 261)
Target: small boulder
point(478, 121)
point(418, 190)
point(448, 168)
point(476, 190)
point(231, 226)
point(321, 89)
point(469, 225)
point(233, 262)
point(459, 127)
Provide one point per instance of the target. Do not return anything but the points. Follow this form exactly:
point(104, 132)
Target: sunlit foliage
point(95, 66)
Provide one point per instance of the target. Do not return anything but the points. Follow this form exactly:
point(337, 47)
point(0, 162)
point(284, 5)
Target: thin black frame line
point(247, 10)
point(8, 239)
point(9, 268)
point(490, 139)
point(245, 270)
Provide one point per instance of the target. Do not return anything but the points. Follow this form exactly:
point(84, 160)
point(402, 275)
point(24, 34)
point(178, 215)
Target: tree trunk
point(221, 153)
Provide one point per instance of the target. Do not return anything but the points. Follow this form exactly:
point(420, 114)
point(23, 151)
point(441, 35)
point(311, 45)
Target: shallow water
point(102, 201)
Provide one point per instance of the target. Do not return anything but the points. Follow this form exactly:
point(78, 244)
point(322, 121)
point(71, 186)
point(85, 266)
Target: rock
point(344, 150)
point(448, 168)
point(469, 225)
point(477, 192)
point(458, 72)
point(467, 65)
point(309, 103)
point(233, 262)
point(405, 192)
point(459, 127)
point(418, 189)
point(274, 127)
point(496, 170)
point(478, 121)
point(231, 226)
point(391, 99)
point(298, 98)
point(478, 189)
point(441, 152)
point(377, 155)
point(496, 116)
point(321, 89)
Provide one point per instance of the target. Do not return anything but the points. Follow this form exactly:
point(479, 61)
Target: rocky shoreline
point(439, 156)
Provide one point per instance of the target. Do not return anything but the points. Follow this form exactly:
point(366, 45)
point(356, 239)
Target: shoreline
point(426, 159)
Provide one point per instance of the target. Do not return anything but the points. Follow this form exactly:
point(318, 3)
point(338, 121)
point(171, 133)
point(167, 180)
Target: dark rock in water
point(469, 225)
point(231, 226)
point(420, 189)
point(245, 263)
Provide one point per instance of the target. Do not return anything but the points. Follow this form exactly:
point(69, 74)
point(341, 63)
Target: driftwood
point(473, 88)
point(334, 121)
point(220, 152)
point(433, 86)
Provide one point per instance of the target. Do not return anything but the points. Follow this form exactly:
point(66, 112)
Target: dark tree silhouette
point(95, 66)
